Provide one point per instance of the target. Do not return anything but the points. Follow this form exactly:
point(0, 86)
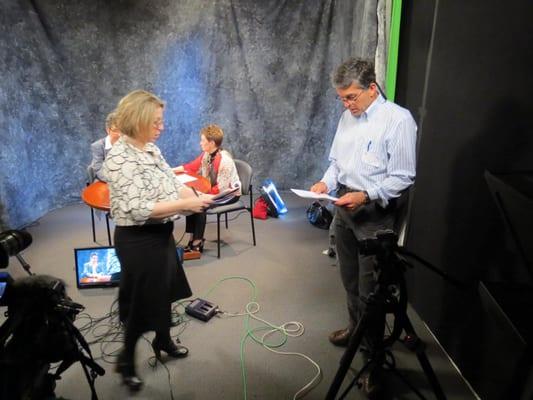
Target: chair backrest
point(245, 175)
point(91, 175)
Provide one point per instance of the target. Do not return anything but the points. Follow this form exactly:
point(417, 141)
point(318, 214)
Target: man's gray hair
point(355, 70)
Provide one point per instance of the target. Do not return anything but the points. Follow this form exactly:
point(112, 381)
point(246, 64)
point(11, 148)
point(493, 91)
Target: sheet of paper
point(184, 178)
point(306, 194)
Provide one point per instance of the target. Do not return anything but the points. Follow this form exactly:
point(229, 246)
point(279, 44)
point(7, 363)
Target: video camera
point(385, 242)
point(38, 330)
point(12, 242)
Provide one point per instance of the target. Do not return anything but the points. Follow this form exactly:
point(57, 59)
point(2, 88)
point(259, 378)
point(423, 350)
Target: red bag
point(260, 209)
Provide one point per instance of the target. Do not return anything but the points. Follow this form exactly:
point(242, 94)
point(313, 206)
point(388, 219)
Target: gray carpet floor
point(293, 281)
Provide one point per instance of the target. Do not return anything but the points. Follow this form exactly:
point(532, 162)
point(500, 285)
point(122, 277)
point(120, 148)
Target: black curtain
point(466, 75)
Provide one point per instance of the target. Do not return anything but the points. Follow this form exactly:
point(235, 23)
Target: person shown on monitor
point(113, 264)
point(372, 161)
point(93, 268)
point(101, 147)
point(218, 166)
point(146, 197)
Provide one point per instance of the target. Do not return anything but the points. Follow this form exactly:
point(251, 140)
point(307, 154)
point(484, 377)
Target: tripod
point(39, 331)
point(389, 296)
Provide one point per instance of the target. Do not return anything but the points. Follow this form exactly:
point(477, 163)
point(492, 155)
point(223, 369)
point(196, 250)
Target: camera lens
point(12, 242)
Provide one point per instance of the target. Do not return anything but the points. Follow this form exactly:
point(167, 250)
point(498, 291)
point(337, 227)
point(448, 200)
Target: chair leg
point(108, 230)
point(226, 218)
point(218, 235)
point(92, 224)
point(253, 226)
point(251, 210)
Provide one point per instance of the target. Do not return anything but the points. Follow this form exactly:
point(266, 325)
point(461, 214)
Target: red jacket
point(195, 167)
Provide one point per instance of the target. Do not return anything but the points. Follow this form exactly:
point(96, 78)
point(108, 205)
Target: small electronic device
point(201, 309)
point(99, 267)
point(96, 267)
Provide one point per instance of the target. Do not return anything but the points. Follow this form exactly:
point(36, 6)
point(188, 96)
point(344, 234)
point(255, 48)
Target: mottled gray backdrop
point(260, 69)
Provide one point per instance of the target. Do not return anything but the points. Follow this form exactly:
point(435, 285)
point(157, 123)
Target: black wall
point(470, 91)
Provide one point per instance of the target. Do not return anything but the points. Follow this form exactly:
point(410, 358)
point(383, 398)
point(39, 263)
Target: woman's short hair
point(135, 112)
point(213, 133)
point(354, 70)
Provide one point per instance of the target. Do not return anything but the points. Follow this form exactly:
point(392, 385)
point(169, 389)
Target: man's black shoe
point(340, 337)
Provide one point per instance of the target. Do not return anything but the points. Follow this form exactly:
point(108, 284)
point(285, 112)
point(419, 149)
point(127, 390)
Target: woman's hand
point(197, 204)
point(186, 192)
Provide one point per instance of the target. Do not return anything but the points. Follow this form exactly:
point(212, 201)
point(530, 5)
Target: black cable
point(107, 331)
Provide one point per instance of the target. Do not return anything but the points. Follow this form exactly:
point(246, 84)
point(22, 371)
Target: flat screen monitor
point(96, 267)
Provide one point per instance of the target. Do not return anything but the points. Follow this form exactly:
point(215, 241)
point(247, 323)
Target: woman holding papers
point(218, 166)
point(145, 199)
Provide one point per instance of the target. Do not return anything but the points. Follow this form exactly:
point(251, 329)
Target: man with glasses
point(101, 147)
point(372, 161)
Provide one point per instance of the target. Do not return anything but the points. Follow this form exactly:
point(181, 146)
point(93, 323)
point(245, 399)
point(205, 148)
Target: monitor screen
point(96, 267)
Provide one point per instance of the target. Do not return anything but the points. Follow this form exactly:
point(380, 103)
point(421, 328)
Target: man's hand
point(351, 200)
point(319, 187)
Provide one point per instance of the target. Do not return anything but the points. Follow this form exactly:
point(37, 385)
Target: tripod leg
point(349, 354)
point(416, 345)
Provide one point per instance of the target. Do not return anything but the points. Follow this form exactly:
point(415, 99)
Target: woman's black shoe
point(127, 370)
point(173, 350)
point(195, 247)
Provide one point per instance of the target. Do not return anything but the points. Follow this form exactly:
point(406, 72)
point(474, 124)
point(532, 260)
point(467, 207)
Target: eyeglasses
point(159, 123)
point(351, 98)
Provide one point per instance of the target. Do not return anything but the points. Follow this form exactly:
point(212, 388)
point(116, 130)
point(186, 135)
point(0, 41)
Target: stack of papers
point(224, 196)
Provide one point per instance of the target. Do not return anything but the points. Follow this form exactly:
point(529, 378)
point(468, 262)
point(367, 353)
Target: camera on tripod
point(385, 242)
point(11, 243)
point(38, 330)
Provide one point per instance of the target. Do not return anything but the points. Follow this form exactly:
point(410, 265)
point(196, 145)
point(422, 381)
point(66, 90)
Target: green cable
point(248, 331)
point(394, 44)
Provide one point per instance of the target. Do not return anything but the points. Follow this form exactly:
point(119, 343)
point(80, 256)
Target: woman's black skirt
point(151, 278)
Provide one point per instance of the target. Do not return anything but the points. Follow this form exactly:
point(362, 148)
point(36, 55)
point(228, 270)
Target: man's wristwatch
point(367, 198)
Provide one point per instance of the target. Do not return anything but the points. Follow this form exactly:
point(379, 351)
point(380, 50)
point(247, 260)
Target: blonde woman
point(145, 199)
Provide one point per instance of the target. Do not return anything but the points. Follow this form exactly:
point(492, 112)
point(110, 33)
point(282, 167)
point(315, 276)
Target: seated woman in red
point(218, 166)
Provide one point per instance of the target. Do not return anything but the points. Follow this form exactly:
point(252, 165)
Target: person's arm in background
point(98, 154)
point(193, 166)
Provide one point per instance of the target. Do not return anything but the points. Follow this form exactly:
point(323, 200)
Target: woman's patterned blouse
point(137, 180)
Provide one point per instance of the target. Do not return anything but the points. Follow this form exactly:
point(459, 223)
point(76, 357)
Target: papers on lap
point(306, 194)
point(224, 196)
point(184, 178)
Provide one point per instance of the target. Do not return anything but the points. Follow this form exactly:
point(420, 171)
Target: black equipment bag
point(319, 216)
